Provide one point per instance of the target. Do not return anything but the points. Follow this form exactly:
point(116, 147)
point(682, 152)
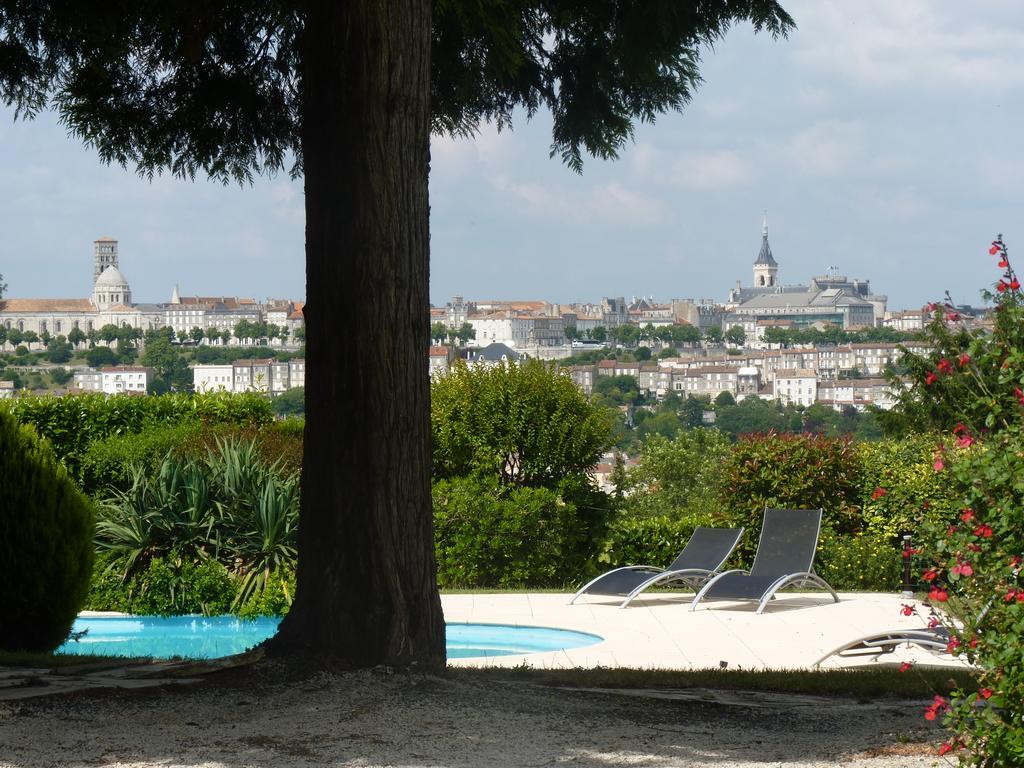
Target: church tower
point(765, 268)
point(104, 254)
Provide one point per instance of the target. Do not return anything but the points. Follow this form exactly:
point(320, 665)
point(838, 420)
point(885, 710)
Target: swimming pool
point(209, 637)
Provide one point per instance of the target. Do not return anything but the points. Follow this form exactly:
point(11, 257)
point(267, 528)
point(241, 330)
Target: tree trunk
point(367, 576)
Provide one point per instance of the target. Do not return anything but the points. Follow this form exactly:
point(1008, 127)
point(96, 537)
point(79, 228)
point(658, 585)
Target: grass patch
point(874, 683)
point(36, 660)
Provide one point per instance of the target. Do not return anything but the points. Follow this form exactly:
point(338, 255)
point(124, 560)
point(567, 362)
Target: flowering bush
point(972, 384)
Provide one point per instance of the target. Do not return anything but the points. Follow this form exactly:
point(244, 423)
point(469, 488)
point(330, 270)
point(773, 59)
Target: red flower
point(907, 610)
point(878, 493)
point(938, 595)
point(1014, 284)
point(973, 643)
point(931, 306)
point(929, 714)
point(965, 441)
point(967, 515)
point(946, 747)
point(951, 530)
point(1001, 287)
point(1015, 561)
point(952, 645)
point(906, 666)
point(1019, 395)
point(993, 250)
point(985, 693)
point(1020, 595)
point(964, 359)
point(984, 531)
point(1009, 596)
point(974, 547)
point(933, 622)
point(931, 378)
point(939, 465)
point(962, 569)
point(945, 366)
point(1004, 263)
point(934, 708)
point(909, 552)
point(930, 575)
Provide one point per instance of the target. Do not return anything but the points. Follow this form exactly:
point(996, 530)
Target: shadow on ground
point(272, 715)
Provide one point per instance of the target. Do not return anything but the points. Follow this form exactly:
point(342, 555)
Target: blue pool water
point(209, 637)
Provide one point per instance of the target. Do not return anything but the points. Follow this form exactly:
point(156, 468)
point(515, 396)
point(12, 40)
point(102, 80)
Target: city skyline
point(881, 140)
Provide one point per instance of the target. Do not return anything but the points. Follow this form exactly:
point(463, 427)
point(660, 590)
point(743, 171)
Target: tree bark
point(367, 575)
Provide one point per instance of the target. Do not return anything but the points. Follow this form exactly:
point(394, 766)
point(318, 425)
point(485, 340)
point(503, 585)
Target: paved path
point(661, 632)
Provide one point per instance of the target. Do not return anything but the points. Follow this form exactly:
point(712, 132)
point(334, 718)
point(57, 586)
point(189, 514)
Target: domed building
point(111, 289)
point(109, 304)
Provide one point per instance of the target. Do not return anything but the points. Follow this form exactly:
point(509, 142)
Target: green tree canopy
point(524, 424)
point(351, 91)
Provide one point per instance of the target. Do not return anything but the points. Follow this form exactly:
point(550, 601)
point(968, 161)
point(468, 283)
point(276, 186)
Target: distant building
point(828, 300)
point(796, 386)
point(256, 375)
point(115, 380)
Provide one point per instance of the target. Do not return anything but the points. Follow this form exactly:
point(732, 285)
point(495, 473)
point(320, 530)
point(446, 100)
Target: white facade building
point(115, 380)
point(798, 386)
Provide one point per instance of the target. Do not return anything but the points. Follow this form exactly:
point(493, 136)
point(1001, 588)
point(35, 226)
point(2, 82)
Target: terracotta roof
point(297, 315)
point(47, 305)
point(438, 352)
point(119, 308)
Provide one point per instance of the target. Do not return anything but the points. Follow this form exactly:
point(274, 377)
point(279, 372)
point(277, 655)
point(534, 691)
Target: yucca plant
point(230, 506)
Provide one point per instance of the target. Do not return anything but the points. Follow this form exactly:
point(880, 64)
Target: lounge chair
point(784, 558)
point(935, 639)
point(704, 554)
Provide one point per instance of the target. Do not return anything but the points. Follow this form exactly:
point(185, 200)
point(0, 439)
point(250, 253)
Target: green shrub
point(899, 488)
point(71, 422)
point(108, 463)
point(167, 586)
point(794, 471)
point(228, 506)
point(524, 425)
point(46, 553)
point(647, 540)
point(490, 537)
point(859, 562)
point(677, 477)
point(274, 599)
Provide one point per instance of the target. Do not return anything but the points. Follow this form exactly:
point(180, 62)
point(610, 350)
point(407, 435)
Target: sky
point(882, 139)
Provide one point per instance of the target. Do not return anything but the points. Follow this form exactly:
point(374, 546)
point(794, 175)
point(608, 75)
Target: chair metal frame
point(801, 578)
point(691, 577)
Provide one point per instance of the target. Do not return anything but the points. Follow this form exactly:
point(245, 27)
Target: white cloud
point(710, 170)
point(828, 148)
point(609, 204)
point(910, 42)
point(613, 202)
point(722, 108)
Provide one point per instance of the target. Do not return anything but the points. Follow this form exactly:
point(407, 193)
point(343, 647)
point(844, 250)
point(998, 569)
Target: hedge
point(72, 422)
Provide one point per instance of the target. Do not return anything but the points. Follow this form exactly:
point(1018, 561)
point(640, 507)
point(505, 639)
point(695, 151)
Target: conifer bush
point(46, 551)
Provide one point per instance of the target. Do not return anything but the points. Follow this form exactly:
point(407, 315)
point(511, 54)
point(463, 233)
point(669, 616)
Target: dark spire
point(765, 256)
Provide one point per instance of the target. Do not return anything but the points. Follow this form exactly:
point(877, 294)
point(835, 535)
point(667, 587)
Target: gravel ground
point(273, 716)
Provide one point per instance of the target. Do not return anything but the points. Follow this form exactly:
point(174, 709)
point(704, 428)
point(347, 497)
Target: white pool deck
point(660, 631)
